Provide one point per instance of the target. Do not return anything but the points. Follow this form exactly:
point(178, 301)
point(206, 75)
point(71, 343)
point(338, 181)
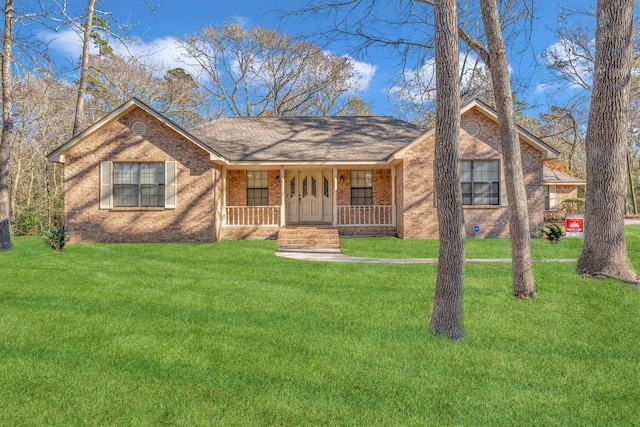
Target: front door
point(305, 197)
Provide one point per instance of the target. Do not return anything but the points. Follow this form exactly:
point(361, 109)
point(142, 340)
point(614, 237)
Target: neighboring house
point(135, 176)
point(558, 186)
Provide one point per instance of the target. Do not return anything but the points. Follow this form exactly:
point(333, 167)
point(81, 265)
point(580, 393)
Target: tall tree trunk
point(7, 126)
point(16, 182)
point(446, 317)
point(520, 233)
point(632, 189)
point(84, 67)
point(605, 249)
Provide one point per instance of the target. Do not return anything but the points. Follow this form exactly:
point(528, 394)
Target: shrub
point(28, 223)
point(55, 238)
point(553, 233)
point(573, 206)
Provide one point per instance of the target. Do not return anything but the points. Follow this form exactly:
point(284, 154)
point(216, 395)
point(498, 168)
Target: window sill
point(138, 209)
point(481, 206)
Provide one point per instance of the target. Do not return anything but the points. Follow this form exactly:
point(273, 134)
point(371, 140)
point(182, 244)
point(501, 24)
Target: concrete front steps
point(308, 237)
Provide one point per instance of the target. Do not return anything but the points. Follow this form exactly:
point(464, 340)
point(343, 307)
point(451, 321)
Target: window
point(480, 181)
point(549, 197)
point(257, 188)
point(361, 188)
point(325, 186)
point(138, 184)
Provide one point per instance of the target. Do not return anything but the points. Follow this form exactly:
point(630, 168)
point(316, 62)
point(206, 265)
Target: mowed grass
point(229, 334)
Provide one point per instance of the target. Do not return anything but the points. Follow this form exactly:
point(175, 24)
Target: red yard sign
point(574, 225)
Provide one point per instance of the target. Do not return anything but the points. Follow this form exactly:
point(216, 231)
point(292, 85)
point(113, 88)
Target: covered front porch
point(355, 199)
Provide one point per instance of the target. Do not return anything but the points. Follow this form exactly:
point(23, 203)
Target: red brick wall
point(250, 233)
point(193, 219)
point(236, 188)
point(418, 215)
point(344, 188)
point(565, 192)
point(400, 200)
point(275, 189)
point(382, 187)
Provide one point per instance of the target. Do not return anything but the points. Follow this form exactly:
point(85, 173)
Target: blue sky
point(174, 18)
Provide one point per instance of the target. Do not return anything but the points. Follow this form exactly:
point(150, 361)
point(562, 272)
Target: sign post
point(476, 230)
point(574, 225)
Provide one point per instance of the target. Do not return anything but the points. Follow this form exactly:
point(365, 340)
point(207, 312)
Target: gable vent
point(472, 128)
point(138, 128)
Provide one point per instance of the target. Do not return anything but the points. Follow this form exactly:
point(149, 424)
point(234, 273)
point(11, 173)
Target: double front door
point(309, 196)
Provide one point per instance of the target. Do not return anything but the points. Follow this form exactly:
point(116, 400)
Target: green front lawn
point(229, 334)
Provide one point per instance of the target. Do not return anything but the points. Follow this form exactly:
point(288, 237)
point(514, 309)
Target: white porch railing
point(366, 215)
point(348, 215)
point(253, 215)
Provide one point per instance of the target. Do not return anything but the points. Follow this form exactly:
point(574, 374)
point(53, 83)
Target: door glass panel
point(293, 187)
point(314, 186)
point(325, 186)
point(304, 186)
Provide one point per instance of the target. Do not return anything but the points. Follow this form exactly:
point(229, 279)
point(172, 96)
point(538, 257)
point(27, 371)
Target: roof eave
point(563, 183)
point(316, 163)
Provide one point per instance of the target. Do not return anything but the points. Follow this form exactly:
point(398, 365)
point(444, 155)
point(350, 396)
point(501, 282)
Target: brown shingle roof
point(552, 176)
point(362, 138)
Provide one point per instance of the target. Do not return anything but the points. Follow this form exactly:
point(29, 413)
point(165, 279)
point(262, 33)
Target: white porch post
point(335, 197)
point(393, 197)
point(224, 196)
point(282, 198)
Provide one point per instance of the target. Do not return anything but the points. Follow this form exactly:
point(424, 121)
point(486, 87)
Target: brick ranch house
point(558, 187)
point(135, 176)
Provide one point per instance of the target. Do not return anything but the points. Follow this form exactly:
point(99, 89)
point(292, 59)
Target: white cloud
point(570, 62)
point(166, 53)
point(364, 72)
point(545, 87)
point(243, 21)
point(160, 54)
point(67, 43)
point(420, 83)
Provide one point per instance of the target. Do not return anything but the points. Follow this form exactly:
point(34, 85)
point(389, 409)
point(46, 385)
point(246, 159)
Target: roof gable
point(57, 155)
point(477, 149)
point(547, 151)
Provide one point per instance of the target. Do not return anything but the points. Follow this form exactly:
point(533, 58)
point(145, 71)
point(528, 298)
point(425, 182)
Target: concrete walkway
point(336, 255)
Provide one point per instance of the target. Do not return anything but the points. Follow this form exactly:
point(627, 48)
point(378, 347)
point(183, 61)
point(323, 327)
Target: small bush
point(28, 223)
point(553, 233)
point(573, 205)
point(55, 238)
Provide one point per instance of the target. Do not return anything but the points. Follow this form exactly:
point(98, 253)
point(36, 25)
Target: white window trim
point(551, 189)
point(502, 195)
point(106, 185)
